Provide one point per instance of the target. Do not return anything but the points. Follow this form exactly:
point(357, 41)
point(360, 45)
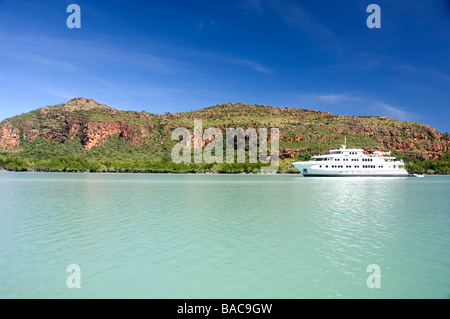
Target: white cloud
point(338, 98)
point(236, 61)
point(58, 53)
point(247, 63)
point(296, 16)
point(354, 103)
point(206, 23)
point(256, 6)
point(393, 111)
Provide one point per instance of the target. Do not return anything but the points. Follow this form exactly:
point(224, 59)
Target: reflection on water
point(222, 236)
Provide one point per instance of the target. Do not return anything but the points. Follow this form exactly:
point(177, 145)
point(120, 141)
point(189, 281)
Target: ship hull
point(314, 170)
point(355, 175)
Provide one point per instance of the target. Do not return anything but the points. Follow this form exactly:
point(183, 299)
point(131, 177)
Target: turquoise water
point(223, 236)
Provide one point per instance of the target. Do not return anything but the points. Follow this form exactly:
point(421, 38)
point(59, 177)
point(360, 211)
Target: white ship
point(352, 162)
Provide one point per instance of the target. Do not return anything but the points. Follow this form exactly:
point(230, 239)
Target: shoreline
point(134, 171)
point(146, 172)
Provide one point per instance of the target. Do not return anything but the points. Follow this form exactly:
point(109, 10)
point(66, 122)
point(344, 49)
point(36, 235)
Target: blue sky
point(169, 55)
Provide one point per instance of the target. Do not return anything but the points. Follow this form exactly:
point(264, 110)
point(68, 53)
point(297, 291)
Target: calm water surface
point(223, 236)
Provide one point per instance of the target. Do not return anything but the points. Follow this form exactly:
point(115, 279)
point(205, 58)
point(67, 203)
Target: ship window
point(326, 166)
point(320, 166)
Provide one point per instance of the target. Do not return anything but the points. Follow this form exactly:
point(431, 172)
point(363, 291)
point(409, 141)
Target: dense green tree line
point(86, 163)
point(434, 166)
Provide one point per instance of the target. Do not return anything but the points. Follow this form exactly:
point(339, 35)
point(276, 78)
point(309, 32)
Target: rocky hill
point(84, 128)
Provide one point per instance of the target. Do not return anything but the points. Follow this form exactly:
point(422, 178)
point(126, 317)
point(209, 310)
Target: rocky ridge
point(92, 123)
